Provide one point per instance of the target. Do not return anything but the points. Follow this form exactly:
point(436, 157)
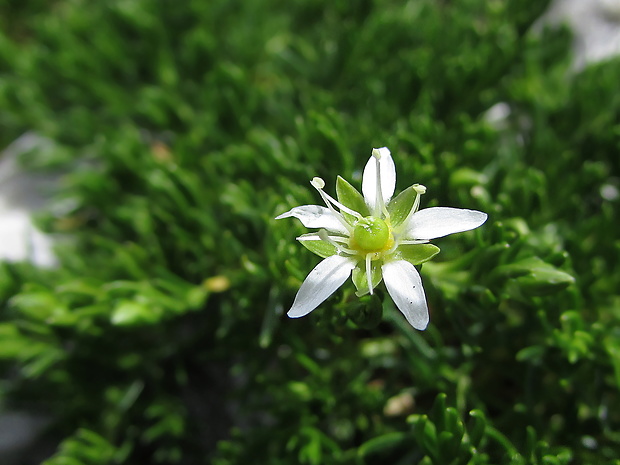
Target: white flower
point(374, 237)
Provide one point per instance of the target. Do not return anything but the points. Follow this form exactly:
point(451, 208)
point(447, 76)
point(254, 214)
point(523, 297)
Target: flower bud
point(366, 312)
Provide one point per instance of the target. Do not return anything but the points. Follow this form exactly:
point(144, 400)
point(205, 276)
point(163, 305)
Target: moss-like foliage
point(181, 129)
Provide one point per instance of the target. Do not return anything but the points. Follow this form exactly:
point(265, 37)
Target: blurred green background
point(178, 130)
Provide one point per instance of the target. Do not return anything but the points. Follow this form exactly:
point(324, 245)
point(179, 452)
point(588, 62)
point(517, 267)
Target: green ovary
point(371, 235)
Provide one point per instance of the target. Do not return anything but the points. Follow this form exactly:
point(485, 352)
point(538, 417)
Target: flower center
point(371, 234)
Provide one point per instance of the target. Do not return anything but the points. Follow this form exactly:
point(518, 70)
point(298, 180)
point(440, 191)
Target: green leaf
point(544, 281)
point(535, 276)
point(38, 303)
point(300, 391)
point(426, 434)
point(129, 312)
point(400, 206)
point(478, 426)
point(380, 447)
point(416, 254)
point(447, 446)
point(350, 197)
point(320, 247)
point(85, 447)
point(438, 412)
point(532, 354)
point(454, 423)
point(466, 177)
point(612, 346)
point(13, 343)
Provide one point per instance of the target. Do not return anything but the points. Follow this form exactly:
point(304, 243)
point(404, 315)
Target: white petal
point(431, 223)
point(388, 178)
point(322, 282)
point(315, 216)
point(404, 285)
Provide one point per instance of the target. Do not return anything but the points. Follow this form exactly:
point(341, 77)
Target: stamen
point(343, 207)
point(318, 184)
point(369, 272)
point(416, 204)
point(327, 238)
point(344, 240)
point(419, 189)
point(379, 205)
point(413, 241)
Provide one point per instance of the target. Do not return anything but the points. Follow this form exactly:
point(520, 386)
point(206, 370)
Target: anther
point(318, 183)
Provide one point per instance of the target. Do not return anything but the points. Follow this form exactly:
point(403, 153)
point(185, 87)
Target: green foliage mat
point(184, 128)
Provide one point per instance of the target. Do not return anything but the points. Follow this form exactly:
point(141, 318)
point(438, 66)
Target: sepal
point(351, 198)
point(400, 207)
point(416, 254)
point(317, 246)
